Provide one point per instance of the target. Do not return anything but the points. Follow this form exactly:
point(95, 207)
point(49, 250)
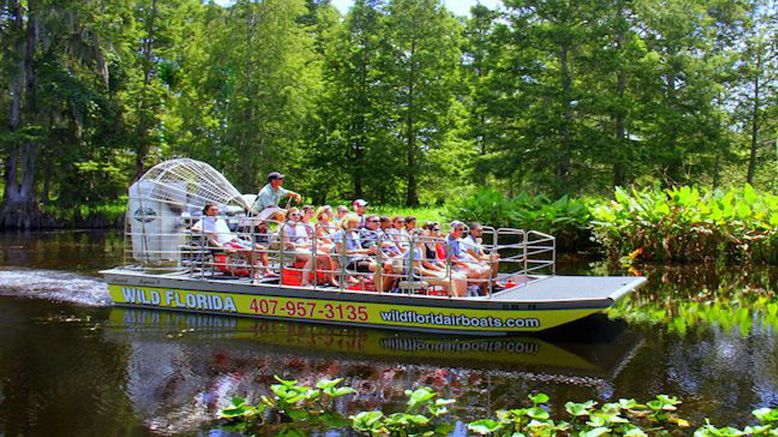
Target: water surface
point(71, 364)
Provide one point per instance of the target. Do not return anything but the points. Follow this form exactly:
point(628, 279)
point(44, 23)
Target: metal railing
point(416, 264)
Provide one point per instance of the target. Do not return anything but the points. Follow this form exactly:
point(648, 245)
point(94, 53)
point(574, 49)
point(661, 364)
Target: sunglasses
point(436, 229)
point(374, 221)
point(295, 214)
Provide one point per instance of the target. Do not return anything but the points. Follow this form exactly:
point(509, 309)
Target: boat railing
point(505, 258)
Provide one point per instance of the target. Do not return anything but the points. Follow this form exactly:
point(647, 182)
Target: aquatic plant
point(298, 409)
point(686, 224)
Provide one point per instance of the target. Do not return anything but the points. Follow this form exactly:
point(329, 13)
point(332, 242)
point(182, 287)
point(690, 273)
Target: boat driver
point(272, 193)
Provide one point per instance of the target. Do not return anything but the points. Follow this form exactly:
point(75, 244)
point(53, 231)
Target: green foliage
point(401, 102)
point(422, 214)
point(566, 218)
point(688, 224)
point(302, 411)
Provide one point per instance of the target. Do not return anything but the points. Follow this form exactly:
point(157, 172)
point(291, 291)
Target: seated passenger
point(295, 239)
point(419, 268)
point(341, 211)
point(472, 244)
point(434, 245)
point(357, 256)
point(360, 209)
point(410, 225)
point(219, 235)
point(308, 214)
point(386, 223)
point(398, 234)
point(372, 234)
point(461, 260)
point(325, 230)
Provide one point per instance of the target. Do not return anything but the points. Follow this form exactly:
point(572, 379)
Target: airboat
point(169, 264)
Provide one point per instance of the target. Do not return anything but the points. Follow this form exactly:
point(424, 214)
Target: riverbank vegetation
point(680, 224)
point(687, 224)
point(298, 409)
point(526, 98)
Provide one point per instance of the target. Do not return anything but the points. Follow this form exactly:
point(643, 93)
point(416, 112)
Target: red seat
point(362, 286)
point(294, 275)
point(227, 264)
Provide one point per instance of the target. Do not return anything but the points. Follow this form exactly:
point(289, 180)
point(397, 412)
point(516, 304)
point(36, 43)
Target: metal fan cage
point(165, 201)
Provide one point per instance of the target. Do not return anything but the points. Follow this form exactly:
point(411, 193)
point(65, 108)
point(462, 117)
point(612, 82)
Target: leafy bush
point(89, 216)
point(689, 224)
point(566, 218)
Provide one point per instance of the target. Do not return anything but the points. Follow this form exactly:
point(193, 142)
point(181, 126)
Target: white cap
point(359, 202)
point(269, 212)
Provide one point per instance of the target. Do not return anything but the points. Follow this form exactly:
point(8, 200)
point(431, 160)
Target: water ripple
point(54, 285)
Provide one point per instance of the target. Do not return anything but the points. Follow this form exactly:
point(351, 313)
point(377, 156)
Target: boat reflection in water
point(175, 358)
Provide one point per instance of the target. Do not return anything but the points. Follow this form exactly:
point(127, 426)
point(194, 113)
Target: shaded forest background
point(398, 101)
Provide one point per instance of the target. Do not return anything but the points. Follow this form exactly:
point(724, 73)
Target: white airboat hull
point(543, 303)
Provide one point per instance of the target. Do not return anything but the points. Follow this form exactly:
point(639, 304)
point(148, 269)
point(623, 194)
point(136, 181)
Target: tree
point(757, 67)
point(57, 71)
point(354, 132)
point(425, 49)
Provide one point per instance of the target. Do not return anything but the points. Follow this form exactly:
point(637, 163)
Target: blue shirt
point(413, 256)
point(268, 197)
point(453, 247)
point(351, 242)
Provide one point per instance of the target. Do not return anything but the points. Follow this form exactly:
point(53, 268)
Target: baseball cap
point(274, 175)
point(456, 224)
point(360, 202)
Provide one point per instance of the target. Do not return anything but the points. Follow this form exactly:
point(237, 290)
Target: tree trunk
point(147, 50)
point(619, 170)
point(412, 195)
point(20, 206)
point(563, 165)
point(754, 122)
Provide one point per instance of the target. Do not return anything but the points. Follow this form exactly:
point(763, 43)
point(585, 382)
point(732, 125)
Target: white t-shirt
point(217, 230)
point(469, 243)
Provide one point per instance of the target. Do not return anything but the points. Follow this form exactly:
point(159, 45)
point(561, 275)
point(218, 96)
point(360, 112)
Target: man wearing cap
point(272, 193)
point(360, 206)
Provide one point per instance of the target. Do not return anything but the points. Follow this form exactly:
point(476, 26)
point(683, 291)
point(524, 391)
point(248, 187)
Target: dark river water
point(70, 364)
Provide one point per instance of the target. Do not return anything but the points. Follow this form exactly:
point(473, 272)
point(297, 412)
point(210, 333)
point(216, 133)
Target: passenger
point(398, 234)
point(410, 225)
point(325, 230)
point(461, 260)
point(420, 268)
point(472, 244)
point(437, 245)
point(386, 223)
point(341, 212)
point(295, 239)
point(219, 235)
point(372, 234)
point(360, 208)
point(272, 193)
point(357, 256)
point(308, 214)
